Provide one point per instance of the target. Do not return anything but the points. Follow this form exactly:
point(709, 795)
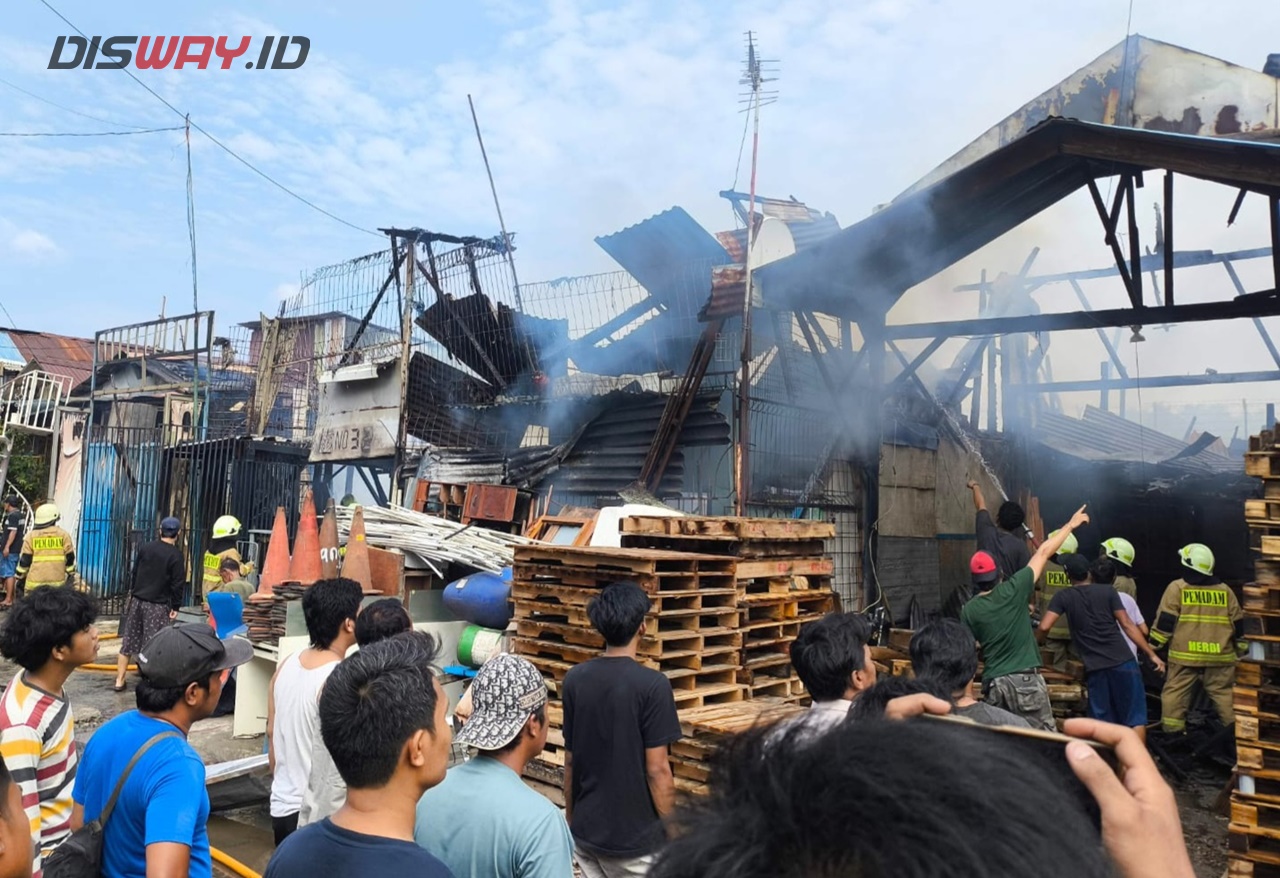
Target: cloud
point(26, 243)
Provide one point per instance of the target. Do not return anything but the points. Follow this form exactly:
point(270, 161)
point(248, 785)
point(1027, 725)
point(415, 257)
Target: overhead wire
point(88, 133)
point(71, 110)
point(228, 150)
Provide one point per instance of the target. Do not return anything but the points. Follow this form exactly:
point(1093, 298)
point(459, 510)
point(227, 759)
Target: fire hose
point(232, 863)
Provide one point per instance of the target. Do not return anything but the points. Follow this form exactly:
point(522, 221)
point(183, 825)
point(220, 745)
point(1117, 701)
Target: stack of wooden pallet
point(783, 580)
point(1254, 841)
point(690, 634)
point(706, 728)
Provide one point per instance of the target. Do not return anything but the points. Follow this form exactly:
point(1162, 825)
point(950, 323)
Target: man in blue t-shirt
point(158, 828)
point(483, 821)
point(384, 720)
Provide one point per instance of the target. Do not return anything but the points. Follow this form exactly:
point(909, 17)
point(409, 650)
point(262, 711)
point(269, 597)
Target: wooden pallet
point(531, 574)
point(1266, 571)
point(1256, 699)
point(777, 687)
point(1258, 755)
point(1251, 673)
point(666, 625)
point(773, 568)
point(1262, 464)
point(546, 597)
point(1258, 846)
point(614, 561)
point(733, 719)
point(1261, 597)
point(1259, 786)
point(1261, 727)
point(721, 693)
point(773, 607)
point(740, 549)
point(1238, 867)
point(729, 528)
point(785, 585)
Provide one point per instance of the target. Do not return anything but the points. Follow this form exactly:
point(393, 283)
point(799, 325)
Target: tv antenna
point(757, 73)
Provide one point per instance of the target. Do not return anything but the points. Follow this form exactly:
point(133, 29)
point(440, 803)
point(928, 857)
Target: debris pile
point(436, 541)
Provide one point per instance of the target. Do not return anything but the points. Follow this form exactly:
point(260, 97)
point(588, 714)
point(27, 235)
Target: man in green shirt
point(997, 615)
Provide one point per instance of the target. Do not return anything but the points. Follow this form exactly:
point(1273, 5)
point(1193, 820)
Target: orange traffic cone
point(356, 564)
point(304, 569)
point(275, 569)
point(329, 542)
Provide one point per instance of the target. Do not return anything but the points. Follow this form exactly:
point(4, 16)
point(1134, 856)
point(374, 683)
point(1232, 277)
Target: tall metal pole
point(506, 239)
point(742, 458)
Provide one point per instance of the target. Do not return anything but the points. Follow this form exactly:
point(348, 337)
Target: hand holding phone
point(1140, 824)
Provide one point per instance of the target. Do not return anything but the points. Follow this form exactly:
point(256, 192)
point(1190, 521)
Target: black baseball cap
point(1076, 566)
point(183, 654)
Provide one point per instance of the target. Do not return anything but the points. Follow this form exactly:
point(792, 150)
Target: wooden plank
point(386, 571)
point(771, 567)
point(1262, 464)
point(740, 549)
point(728, 527)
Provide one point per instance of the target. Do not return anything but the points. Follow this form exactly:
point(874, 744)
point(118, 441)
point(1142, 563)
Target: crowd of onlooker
point(866, 781)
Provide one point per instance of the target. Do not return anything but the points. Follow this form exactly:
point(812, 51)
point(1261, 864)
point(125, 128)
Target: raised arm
point(1050, 547)
point(979, 502)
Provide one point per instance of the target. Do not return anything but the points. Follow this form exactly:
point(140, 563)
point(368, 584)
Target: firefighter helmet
point(1069, 546)
point(1197, 557)
point(1119, 549)
point(46, 513)
point(226, 526)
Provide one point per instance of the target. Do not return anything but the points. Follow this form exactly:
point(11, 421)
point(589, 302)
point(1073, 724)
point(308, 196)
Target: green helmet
point(1120, 549)
point(1069, 546)
point(1197, 557)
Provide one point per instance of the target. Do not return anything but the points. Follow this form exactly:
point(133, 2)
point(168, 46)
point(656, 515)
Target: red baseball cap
point(983, 568)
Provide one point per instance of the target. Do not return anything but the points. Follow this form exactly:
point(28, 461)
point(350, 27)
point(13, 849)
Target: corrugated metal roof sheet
point(57, 354)
point(866, 267)
point(658, 251)
point(1100, 436)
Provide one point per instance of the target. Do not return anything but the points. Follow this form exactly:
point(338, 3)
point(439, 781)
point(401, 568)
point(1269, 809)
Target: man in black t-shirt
point(1003, 539)
point(619, 719)
point(1116, 693)
point(13, 534)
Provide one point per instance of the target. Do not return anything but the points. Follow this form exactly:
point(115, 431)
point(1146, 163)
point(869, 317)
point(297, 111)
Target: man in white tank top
point(293, 703)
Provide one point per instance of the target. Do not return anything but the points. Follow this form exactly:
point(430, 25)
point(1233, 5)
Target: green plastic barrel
point(477, 645)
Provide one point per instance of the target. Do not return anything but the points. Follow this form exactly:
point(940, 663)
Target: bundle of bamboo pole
point(435, 540)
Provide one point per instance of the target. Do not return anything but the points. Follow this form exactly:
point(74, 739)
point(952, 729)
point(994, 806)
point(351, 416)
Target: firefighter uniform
point(213, 567)
point(1057, 643)
point(223, 545)
point(1201, 624)
point(1126, 585)
point(48, 555)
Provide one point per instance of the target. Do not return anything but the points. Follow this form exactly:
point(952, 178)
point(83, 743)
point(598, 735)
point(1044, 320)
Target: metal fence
point(132, 479)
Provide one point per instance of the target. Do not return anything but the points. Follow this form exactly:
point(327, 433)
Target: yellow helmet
point(226, 526)
point(1197, 557)
point(1069, 546)
point(1119, 549)
point(46, 513)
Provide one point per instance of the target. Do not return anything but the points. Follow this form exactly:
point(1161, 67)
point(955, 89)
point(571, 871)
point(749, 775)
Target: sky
point(595, 116)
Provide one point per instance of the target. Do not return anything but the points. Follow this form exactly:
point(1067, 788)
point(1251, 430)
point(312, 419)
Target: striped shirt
point(37, 740)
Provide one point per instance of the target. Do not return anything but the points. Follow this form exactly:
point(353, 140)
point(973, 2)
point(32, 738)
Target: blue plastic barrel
point(482, 599)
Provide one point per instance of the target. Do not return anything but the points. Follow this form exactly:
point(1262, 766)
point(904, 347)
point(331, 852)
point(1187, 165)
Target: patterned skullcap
point(504, 694)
